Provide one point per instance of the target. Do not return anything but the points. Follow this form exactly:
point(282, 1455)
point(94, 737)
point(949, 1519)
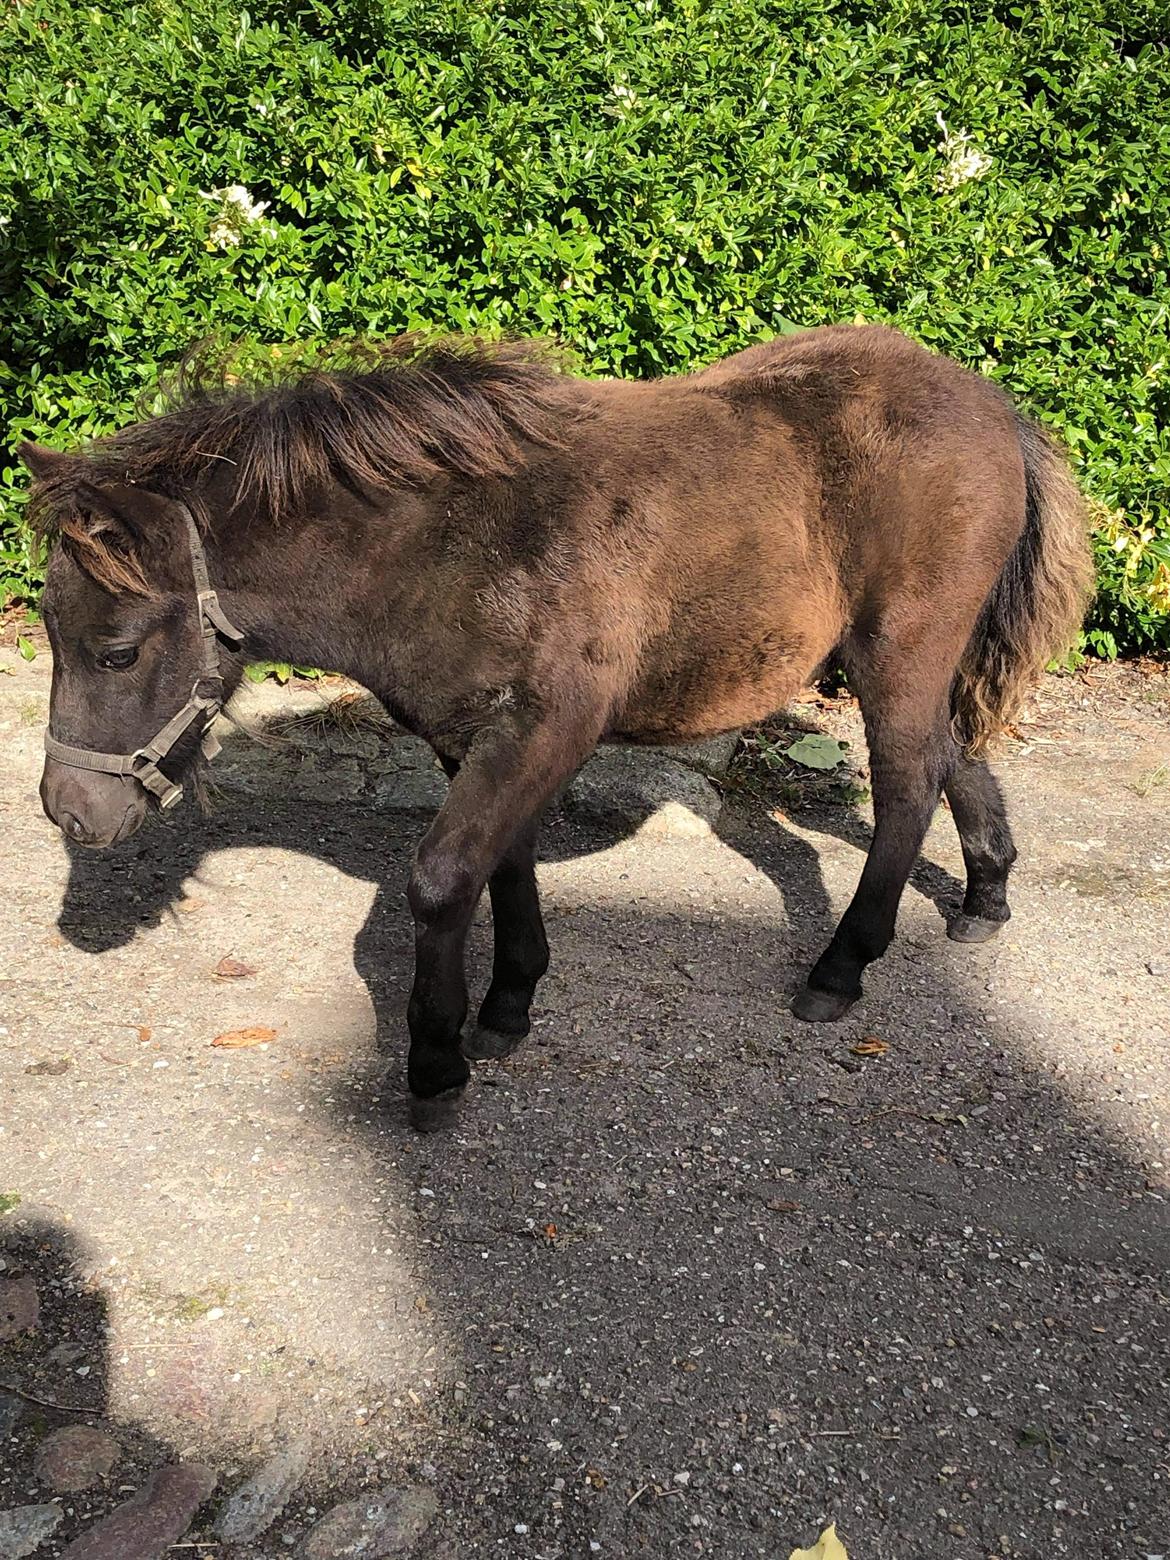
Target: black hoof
point(973, 929)
point(487, 1045)
point(434, 1114)
point(821, 1007)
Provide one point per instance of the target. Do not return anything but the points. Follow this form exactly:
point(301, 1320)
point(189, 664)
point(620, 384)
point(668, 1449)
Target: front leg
point(498, 793)
point(521, 952)
point(521, 947)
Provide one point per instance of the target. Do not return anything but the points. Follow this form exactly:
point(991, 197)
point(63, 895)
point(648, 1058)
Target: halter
point(206, 699)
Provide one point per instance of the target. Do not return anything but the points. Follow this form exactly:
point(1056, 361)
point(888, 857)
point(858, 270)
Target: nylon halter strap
point(205, 702)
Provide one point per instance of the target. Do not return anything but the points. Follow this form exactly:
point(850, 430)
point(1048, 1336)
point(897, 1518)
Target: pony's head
point(130, 647)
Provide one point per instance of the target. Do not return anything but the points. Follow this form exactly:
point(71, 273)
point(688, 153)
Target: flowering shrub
point(656, 182)
point(237, 212)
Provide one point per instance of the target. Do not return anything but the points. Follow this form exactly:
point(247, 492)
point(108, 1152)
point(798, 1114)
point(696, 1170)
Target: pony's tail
point(1037, 604)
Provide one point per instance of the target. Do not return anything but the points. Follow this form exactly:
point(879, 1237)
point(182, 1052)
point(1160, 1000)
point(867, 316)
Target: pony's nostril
point(73, 826)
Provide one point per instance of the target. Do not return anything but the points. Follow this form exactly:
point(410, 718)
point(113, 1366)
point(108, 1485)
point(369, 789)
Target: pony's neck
point(305, 591)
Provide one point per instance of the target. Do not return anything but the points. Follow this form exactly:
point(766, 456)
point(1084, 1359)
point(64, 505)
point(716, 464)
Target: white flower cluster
point(237, 210)
point(964, 162)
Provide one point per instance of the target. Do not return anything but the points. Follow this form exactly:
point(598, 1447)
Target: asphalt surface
point(690, 1278)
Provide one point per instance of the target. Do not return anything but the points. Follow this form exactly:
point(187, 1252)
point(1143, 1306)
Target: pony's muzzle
point(89, 808)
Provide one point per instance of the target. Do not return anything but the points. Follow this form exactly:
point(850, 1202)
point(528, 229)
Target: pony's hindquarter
point(963, 559)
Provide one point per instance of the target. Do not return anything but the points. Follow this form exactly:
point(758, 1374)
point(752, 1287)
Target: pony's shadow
point(113, 895)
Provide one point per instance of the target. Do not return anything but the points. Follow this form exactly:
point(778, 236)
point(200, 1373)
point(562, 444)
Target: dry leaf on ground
point(233, 969)
point(241, 1039)
point(827, 1547)
point(870, 1046)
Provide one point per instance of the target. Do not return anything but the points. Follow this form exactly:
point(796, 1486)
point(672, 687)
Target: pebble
point(258, 1502)
point(388, 1523)
point(145, 1526)
point(25, 1528)
point(19, 1307)
point(11, 1408)
point(74, 1458)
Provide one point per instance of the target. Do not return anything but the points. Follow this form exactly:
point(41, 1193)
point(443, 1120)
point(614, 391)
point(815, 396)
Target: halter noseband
point(206, 699)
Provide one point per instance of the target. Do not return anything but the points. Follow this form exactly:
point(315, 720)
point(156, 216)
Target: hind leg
point(911, 755)
point(988, 851)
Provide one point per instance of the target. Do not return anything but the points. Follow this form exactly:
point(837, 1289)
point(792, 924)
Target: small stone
point(145, 1526)
point(25, 1528)
point(11, 1408)
point(258, 1502)
point(1158, 967)
point(388, 1523)
point(19, 1307)
point(74, 1458)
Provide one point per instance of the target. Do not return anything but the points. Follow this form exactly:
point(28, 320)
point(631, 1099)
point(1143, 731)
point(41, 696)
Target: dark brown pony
point(521, 564)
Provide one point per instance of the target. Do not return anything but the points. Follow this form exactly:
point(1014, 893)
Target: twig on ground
point(65, 1408)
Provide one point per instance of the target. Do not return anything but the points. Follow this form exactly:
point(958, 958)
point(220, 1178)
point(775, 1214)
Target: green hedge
point(656, 182)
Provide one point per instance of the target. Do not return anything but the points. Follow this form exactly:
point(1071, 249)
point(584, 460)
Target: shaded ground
point(690, 1278)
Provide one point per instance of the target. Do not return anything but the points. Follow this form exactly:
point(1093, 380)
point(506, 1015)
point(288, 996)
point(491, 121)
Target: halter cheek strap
point(204, 705)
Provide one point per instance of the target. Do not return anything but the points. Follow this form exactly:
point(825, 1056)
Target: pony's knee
point(441, 888)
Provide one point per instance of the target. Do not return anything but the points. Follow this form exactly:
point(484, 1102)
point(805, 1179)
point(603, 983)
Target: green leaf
point(28, 651)
point(816, 752)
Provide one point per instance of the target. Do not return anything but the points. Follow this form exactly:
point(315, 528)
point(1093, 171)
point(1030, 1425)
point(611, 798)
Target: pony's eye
point(119, 659)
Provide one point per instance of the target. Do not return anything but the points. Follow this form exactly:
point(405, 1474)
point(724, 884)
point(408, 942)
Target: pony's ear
point(117, 533)
point(44, 463)
point(122, 510)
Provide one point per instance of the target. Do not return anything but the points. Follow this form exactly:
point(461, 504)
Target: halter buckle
point(151, 777)
point(211, 612)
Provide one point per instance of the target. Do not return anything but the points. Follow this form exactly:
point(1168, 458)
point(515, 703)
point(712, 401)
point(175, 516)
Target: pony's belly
point(688, 713)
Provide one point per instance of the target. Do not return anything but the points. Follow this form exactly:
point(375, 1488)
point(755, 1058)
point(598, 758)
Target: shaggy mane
point(371, 416)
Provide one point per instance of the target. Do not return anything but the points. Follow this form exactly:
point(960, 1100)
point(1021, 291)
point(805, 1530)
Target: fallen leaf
point(28, 651)
point(241, 1039)
point(778, 1205)
point(144, 1033)
point(51, 1069)
point(232, 969)
point(869, 1046)
point(816, 752)
point(827, 1547)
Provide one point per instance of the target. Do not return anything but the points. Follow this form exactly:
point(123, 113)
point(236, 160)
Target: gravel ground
point(690, 1278)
